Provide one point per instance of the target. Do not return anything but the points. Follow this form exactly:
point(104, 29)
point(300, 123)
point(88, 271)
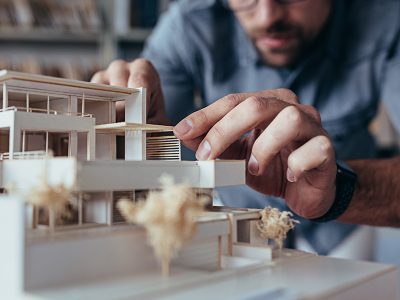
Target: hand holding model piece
point(288, 152)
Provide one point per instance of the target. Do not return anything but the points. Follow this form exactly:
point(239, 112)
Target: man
point(339, 56)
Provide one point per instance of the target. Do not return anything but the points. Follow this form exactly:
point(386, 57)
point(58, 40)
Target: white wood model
point(93, 253)
point(75, 121)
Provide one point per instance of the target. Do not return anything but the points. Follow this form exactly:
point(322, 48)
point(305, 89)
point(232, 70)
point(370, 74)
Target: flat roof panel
point(60, 85)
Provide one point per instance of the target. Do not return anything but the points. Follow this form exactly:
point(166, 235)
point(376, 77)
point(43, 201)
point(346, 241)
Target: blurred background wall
point(73, 38)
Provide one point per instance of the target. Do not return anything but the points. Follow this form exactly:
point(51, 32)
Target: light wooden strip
point(123, 126)
point(163, 153)
point(170, 141)
point(166, 151)
point(169, 159)
point(160, 147)
point(163, 144)
point(170, 136)
point(163, 158)
point(163, 147)
point(165, 140)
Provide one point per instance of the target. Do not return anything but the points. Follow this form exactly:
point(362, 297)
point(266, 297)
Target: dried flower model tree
point(274, 225)
point(169, 216)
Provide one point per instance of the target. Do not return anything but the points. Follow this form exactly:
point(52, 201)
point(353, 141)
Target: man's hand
point(139, 73)
point(287, 151)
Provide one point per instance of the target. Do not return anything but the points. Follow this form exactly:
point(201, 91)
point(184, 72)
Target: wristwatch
point(346, 180)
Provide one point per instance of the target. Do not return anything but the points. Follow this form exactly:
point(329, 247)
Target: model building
point(75, 121)
point(58, 141)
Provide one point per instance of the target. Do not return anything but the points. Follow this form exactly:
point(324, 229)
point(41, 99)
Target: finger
point(311, 178)
point(252, 113)
point(143, 74)
point(317, 154)
point(238, 150)
point(282, 94)
point(100, 77)
point(201, 121)
point(291, 125)
point(118, 73)
point(193, 144)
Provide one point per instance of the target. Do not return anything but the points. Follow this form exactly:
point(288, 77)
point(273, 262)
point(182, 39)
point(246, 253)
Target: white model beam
point(121, 175)
point(24, 175)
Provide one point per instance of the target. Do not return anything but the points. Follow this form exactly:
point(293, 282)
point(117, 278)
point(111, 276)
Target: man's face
point(282, 32)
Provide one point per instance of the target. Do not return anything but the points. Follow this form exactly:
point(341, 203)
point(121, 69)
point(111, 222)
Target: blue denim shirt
point(199, 46)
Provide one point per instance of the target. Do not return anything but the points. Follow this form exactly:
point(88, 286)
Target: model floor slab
point(292, 275)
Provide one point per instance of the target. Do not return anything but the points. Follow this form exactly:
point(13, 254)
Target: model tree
point(169, 216)
point(274, 225)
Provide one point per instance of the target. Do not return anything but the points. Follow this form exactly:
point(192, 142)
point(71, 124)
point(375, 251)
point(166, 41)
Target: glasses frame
point(254, 3)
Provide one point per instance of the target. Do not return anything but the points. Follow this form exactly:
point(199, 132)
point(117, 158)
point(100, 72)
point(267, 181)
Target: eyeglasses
point(243, 5)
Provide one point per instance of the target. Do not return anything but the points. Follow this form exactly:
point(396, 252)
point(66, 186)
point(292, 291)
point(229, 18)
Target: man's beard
point(282, 56)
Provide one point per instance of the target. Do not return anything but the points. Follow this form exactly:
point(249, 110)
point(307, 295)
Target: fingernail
point(253, 165)
point(204, 151)
point(183, 127)
point(290, 176)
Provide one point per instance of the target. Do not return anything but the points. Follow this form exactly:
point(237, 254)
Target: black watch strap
point(346, 181)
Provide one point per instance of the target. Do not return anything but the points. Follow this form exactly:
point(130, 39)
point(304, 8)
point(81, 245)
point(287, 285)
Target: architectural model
point(58, 138)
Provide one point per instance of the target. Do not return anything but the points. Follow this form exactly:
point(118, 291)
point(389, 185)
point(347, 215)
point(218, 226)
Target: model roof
point(53, 84)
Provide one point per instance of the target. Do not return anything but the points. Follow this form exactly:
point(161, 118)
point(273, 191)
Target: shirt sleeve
point(391, 84)
point(168, 48)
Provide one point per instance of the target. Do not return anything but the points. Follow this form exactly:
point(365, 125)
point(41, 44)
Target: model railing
point(25, 155)
point(46, 111)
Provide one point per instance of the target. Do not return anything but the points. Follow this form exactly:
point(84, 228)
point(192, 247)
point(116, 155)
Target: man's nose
point(268, 12)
